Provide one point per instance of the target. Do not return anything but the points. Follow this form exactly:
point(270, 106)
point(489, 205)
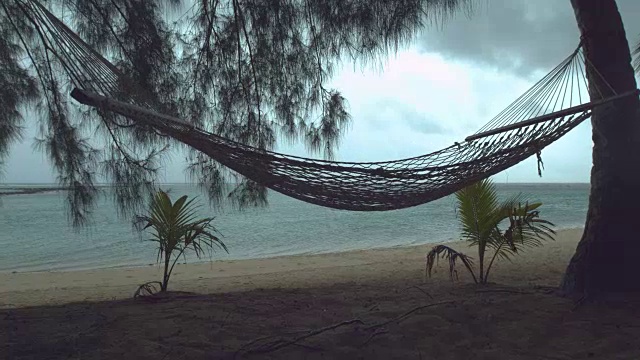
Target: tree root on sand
point(421, 290)
point(373, 334)
point(280, 343)
point(277, 343)
point(506, 291)
point(405, 315)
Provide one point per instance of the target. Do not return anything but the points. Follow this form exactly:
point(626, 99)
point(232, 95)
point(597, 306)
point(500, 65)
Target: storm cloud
point(388, 110)
point(520, 36)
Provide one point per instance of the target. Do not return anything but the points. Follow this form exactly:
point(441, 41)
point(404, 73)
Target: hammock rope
point(543, 114)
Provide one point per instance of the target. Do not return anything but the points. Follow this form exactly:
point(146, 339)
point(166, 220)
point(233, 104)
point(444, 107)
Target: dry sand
point(538, 266)
point(355, 305)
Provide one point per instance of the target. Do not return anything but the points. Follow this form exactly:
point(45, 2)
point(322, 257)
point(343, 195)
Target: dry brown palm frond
point(451, 255)
point(148, 289)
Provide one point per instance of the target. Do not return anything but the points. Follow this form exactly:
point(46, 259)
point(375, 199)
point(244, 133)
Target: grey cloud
point(388, 111)
point(422, 124)
point(519, 36)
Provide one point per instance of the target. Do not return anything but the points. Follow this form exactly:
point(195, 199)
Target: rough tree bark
point(606, 259)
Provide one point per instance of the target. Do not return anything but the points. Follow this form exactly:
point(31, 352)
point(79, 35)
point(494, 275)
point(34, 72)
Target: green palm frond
point(175, 226)
point(505, 227)
point(636, 58)
point(477, 205)
point(525, 230)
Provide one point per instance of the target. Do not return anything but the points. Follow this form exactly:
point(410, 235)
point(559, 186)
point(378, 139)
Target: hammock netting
point(548, 110)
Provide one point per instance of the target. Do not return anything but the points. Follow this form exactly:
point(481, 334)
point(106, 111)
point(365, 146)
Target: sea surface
point(36, 235)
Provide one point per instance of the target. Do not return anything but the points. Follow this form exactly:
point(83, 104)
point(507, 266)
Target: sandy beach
point(538, 266)
point(372, 304)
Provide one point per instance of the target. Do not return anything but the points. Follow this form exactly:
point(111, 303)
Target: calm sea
point(35, 234)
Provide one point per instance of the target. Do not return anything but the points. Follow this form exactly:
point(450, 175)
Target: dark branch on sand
point(281, 343)
point(374, 334)
point(405, 315)
point(507, 291)
point(421, 290)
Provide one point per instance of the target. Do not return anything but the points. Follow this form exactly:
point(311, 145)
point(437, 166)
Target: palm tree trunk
point(165, 277)
point(605, 260)
point(481, 250)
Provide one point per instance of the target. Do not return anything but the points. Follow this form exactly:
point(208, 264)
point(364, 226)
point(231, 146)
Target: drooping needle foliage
point(252, 71)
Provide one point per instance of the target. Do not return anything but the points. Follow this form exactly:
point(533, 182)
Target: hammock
point(543, 114)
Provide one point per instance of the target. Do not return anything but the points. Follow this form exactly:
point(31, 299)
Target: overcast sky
point(452, 81)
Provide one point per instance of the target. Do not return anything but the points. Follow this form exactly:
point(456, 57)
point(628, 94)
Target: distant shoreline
point(23, 185)
point(26, 190)
point(34, 188)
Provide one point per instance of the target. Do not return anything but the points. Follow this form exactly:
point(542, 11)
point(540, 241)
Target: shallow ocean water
point(37, 236)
